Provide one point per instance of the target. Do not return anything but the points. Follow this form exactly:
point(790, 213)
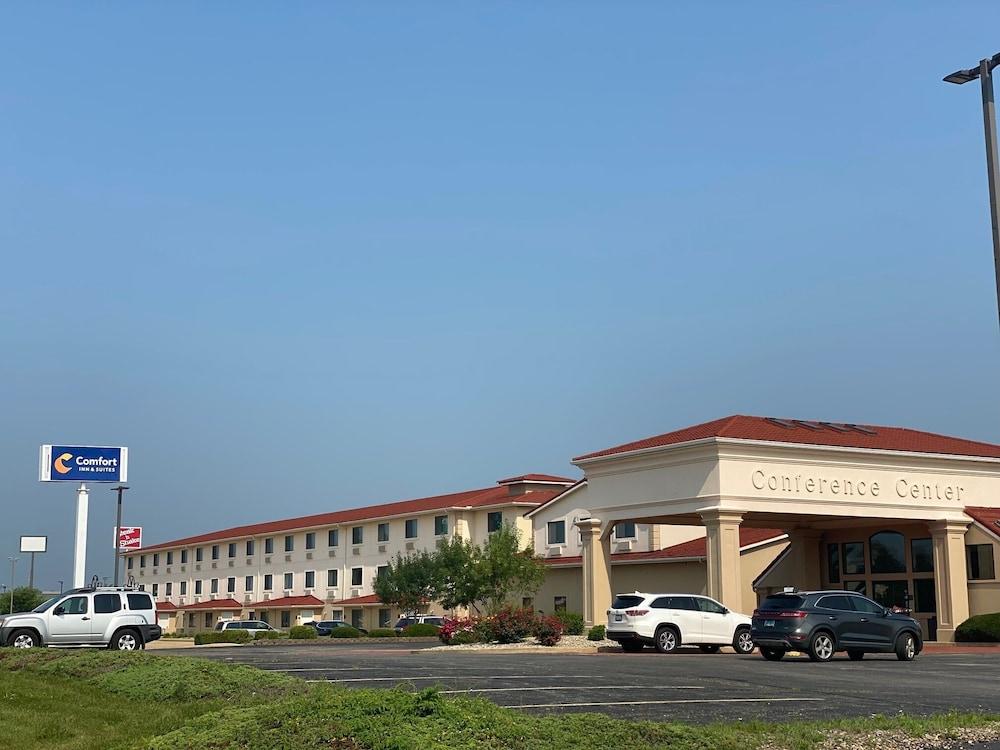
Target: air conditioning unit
point(180, 601)
point(441, 542)
point(288, 592)
point(267, 559)
point(332, 553)
point(215, 564)
point(355, 592)
point(381, 548)
point(232, 563)
point(266, 597)
point(142, 572)
point(356, 551)
point(168, 570)
point(198, 566)
point(214, 597)
point(625, 545)
point(410, 545)
point(247, 598)
point(309, 555)
point(288, 558)
point(555, 551)
point(249, 561)
point(183, 568)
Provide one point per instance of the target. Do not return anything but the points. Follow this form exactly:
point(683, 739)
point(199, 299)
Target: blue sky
point(311, 257)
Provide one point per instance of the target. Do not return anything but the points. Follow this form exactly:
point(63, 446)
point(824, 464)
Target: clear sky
point(309, 256)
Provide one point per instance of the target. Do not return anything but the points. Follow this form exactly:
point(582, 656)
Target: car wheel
point(742, 642)
point(906, 647)
point(855, 655)
point(709, 649)
point(23, 639)
point(126, 640)
point(772, 654)
point(821, 646)
point(632, 647)
point(667, 640)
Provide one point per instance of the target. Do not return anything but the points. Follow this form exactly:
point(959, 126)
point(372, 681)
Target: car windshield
point(624, 602)
point(46, 605)
point(783, 601)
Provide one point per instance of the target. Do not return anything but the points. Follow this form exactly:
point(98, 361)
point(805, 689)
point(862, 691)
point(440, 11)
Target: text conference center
point(734, 508)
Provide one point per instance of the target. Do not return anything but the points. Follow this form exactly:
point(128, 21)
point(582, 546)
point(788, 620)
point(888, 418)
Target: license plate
point(618, 618)
point(768, 623)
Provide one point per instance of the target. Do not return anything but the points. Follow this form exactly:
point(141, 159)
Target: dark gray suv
point(824, 622)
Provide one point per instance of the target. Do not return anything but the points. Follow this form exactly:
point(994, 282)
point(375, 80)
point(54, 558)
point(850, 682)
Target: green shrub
point(269, 635)
point(571, 621)
point(464, 638)
point(548, 630)
point(345, 631)
point(980, 629)
point(508, 625)
point(597, 633)
point(222, 636)
point(382, 633)
point(420, 630)
point(302, 633)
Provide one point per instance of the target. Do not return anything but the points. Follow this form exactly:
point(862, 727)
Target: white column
point(80, 548)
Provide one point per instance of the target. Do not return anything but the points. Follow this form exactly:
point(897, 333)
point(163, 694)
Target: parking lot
point(687, 686)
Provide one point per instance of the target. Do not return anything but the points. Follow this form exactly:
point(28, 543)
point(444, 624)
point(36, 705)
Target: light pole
point(985, 74)
point(120, 489)
point(13, 562)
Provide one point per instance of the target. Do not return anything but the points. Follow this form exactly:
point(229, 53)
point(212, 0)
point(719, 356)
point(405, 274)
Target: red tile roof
point(693, 548)
point(536, 478)
point(213, 604)
point(812, 433)
point(370, 599)
point(988, 517)
point(166, 607)
point(287, 601)
point(472, 498)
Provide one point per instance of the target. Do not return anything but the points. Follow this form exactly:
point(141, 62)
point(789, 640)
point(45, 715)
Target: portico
point(820, 482)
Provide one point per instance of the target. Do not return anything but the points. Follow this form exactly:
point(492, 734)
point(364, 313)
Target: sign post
point(76, 463)
point(33, 544)
point(120, 489)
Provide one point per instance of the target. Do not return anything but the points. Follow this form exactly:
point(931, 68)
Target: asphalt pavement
point(686, 686)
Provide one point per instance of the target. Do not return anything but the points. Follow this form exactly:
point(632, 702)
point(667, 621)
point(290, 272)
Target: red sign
point(130, 538)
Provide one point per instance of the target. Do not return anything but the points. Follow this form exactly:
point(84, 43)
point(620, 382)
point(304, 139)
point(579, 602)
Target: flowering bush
point(548, 630)
point(458, 626)
point(509, 625)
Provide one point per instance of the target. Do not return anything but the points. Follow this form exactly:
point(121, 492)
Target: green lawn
point(109, 701)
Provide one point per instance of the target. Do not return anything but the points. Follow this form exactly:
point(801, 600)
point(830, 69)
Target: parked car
point(106, 617)
point(251, 626)
point(323, 627)
point(404, 622)
point(822, 623)
point(668, 621)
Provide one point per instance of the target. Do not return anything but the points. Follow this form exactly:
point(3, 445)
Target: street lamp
point(985, 74)
point(13, 564)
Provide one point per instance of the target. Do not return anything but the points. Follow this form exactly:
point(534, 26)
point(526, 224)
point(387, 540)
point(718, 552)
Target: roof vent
point(808, 425)
point(835, 427)
point(861, 428)
point(780, 422)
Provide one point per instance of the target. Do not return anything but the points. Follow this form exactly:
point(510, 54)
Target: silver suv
point(118, 618)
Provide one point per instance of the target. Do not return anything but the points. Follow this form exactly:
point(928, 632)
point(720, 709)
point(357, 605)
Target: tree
point(408, 582)
point(25, 600)
point(457, 574)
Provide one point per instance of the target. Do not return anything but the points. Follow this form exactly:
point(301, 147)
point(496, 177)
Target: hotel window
point(232, 549)
point(269, 545)
point(557, 532)
point(214, 586)
point(890, 593)
point(625, 530)
point(494, 520)
point(184, 556)
point(248, 583)
point(357, 618)
point(310, 579)
point(383, 533)
point(129, 564)
point(156, 559)
point(289, 580)
point(197, 587)
point(854, 559)
point(559, 604)
point(331, 577)
point(833, 562)
point(286, 618)
point(440, 525)
point(311, 540)
point(268, 582)
point(156, 589)
point(356, 576)
point(231, 585)
point(858, 587)
point(249, 547)
point(142, 561)
point(527, 602)
point(208, 619)
point(184, 588)
point(411, 528)
point(380, 571)
point(170, 558)
point(888, 552)
point(383, 618)
point(198, 553)
point(923, 595)
point(357, 535)
point(289, 543)
point(170, 588)
point(922, 556)
point(980, 562)
point(215, 551)
point(333, 538)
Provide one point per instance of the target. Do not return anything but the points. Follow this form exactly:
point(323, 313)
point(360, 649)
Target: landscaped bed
point(96, 700)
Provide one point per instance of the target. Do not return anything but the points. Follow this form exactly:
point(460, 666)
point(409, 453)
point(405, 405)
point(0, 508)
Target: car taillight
point(636, 612)
point(795, 614)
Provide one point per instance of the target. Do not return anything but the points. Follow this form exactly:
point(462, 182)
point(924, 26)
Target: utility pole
point(120, 489)
point(13, 563)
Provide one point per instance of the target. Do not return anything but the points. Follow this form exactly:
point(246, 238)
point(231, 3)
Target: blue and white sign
point(77, 463)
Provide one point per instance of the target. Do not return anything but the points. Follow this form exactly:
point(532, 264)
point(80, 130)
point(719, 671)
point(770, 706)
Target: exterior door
point(70, 621)
point(683, 612)
point(715, 624)
point(842, 618)
point(874, 626)
point(106, 607)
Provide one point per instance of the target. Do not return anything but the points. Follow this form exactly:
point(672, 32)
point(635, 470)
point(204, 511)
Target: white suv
point(119, 618)
point(669, 621)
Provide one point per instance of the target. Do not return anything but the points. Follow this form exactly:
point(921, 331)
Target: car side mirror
point(59, 610)
point(725, 611)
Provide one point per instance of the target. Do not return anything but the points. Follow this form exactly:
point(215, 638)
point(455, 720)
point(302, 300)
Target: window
point(380, 571)
point(156, 559)
point(170, 588)
point(865, 605)
point(268, 582)
point(854, 559)
point(626, 601)
point(331, 577)
point(231, 585)
point(310, 579)
point(890, 593)
point(156, 589)
point(888, 552)
point(557, 532)
point(383, 618)
point(494, 520)
point(248, 583)
point(215, 586)
point(411, 528)
point(184, 588)
point(357, 618)
point(139, 601)
point(527, 602)
point(131, 560)
point(184, 556)
point(269, 545)
point(625, 530)
point(924, 599)
point(75, 605)
point(289, 580)
point(675, 602)
point(356, 576)
point(333, 538)
point(440, 525)
point(106, 603)
point(142, 561)
point(289, 543)
point(357, 535)
point(383, 533)
point(197, 587)
point(841, 603)
point(198, 554)
point(710, 607)
point(922, 555)
point(858, 587)
point(208, 619)
point(833, 562)
point(559, 604)
point(980, 562)
point(286, 618)
point(215, 551)
point(170, 558)
point(311, 540)
point(232, 549)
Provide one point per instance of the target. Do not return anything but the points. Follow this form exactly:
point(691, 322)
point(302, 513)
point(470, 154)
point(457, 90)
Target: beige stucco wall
point(984, 596)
